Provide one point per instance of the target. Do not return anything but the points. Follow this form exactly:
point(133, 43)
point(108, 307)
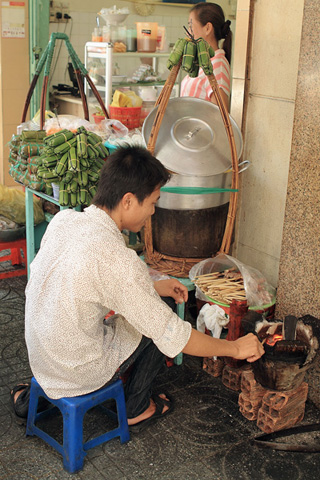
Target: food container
point(161, 37)
point(131, 39)
point(147, 36)
point(146, 108)
point(96, 35)
point(106, 33)
point(119, 38)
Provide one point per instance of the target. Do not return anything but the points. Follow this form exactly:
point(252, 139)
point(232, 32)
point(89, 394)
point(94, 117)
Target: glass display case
point(144, 73)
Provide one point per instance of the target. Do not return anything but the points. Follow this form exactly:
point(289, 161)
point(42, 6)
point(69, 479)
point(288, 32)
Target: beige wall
point(299, 275)
point(14, 64)
point(271, 90)
point(97, 5)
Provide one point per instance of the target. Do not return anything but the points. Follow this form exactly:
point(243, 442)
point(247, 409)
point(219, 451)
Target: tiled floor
point(205, 438)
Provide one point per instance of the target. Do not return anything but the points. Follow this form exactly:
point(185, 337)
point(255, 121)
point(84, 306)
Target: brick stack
point(213, 366)
point(282, 409)
point(231, 377)
point(273, 410)
point(250, 398)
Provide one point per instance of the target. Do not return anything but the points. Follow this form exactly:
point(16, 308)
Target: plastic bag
point(7, 224)
point(12, 206)
point(113, 127)
point(68, 122)
point(258, 291)
point(25, 149)
point(127, 99)
point(105, 129)
point(156, 276)
point(134, 138)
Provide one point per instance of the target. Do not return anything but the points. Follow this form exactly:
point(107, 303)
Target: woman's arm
point(224, 97)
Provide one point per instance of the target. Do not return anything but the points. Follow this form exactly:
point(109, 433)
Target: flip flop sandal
point(20, 413)
point(160, 404)
point(21, 405)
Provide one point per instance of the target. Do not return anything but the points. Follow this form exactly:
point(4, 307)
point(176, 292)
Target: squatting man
point(82, 271)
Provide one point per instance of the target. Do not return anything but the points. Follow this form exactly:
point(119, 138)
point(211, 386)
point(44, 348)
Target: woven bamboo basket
point(180, 266)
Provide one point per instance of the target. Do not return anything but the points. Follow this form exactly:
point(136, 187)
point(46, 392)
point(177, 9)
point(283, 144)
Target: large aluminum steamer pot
point(178, 201)
point(193, 144)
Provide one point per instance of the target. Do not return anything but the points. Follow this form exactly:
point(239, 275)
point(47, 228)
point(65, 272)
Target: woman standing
point(207, 20)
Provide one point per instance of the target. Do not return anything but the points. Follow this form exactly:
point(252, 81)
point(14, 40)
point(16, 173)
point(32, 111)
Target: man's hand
point(172, 288)
point(248, 347)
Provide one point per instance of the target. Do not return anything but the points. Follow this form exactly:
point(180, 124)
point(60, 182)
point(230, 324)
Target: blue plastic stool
point(73, 410)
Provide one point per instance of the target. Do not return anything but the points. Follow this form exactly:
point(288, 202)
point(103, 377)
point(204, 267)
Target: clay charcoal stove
point(274, 393)
point(287, 355)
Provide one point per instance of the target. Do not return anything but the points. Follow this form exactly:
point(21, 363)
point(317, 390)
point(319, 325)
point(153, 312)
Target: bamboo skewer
point(221, 287)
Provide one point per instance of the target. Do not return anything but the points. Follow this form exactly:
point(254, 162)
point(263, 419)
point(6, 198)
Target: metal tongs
point(266, 440)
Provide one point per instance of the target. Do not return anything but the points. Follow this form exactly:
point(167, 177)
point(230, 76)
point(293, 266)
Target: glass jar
point(97, 35)
point(131, 39)
point(119, 38)
point(106, 33)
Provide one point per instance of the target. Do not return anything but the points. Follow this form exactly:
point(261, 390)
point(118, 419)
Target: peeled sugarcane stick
point(220, 287)
point(211, 274)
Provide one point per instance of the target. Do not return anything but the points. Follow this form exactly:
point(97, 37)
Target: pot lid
point(192, 139)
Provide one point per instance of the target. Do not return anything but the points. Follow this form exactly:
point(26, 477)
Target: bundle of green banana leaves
point(195, 54)
point(73, 161)
point(24, 152)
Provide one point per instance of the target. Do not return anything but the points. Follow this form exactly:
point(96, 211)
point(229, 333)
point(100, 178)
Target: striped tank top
point(199, 87)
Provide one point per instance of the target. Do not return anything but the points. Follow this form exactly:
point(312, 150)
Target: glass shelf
point(160, 83)
point(130, 54)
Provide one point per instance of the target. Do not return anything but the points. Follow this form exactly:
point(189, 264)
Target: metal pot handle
point(246, 164)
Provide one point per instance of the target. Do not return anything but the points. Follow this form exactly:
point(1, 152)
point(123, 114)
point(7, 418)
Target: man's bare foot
point(149, 412)
point(19, 391)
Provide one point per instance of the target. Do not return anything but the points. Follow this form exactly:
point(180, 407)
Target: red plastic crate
point(14, 257)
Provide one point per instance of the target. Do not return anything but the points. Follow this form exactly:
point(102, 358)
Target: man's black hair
point(129, 169)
